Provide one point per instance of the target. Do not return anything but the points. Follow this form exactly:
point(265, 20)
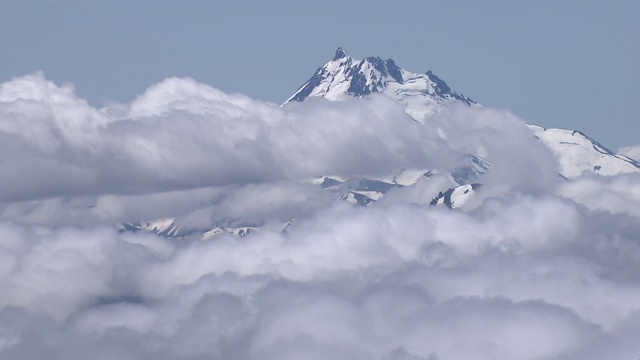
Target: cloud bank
point(536, 269)
point(181, 134)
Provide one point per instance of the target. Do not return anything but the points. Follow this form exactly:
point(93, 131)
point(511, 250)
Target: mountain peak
point(345, 77)
point(341, 53)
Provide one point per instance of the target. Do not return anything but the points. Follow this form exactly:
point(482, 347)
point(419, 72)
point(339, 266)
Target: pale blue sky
point(571, 64)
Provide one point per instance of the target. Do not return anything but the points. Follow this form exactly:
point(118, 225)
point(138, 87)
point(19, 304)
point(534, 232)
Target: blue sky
point(570, 64)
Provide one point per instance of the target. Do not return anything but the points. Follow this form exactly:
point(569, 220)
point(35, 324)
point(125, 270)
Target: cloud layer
point(181, 134)
point(536, 269)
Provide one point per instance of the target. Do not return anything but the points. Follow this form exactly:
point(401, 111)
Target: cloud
point(519, 160)
point(617, 194)
point(630, 151)
point(536, 268)
point(346, 281)
point(181, 135)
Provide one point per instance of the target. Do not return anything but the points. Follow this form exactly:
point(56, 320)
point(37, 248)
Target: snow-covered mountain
point(345, 76)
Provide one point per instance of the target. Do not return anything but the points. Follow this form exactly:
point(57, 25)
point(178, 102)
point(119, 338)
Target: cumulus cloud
point(359, 282)
point(536, 269)
point(181, 134)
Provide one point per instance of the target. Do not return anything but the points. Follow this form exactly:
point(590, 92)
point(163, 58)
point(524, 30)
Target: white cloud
point(536, 269)
point(346, 281)
point(181, 134)
point(630, 151)
point(618, 194)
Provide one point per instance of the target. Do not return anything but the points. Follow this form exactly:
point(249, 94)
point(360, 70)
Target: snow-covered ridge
point(169, 227)
point(577, 153)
